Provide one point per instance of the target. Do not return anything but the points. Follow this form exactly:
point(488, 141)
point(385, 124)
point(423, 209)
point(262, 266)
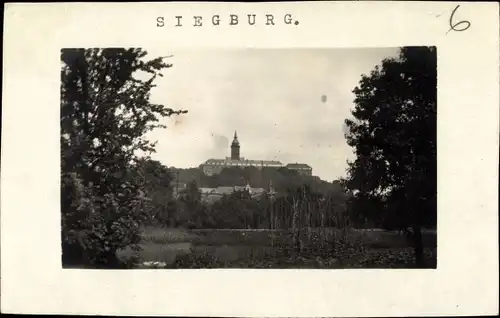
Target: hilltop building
point(215, 166)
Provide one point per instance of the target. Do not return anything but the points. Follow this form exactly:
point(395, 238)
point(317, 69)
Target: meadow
point(321, 248)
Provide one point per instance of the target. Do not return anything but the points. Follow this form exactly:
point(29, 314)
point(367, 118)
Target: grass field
point(182, 248)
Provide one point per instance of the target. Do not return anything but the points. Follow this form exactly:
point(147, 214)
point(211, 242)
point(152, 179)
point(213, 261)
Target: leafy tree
point(105, 113)
point(156, 180)
point(225, 212)
point(191, 194)
point(190, 206)
point(393, 133)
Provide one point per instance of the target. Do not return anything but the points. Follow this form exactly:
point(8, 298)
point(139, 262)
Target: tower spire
point(235, 148)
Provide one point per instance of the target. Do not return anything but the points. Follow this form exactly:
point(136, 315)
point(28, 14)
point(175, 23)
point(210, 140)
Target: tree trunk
point(295, 227)
point(271, 223)
point(418, 246)
point(308, 222)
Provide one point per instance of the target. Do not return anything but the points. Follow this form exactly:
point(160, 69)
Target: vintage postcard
point(306, 159)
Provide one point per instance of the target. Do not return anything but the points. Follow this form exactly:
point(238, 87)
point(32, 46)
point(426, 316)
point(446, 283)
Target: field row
point(181, 248)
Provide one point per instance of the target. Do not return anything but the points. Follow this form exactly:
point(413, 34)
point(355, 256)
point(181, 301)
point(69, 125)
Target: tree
point(156, 183)
point(190, 203)
point(105, 113)
point(393, 133)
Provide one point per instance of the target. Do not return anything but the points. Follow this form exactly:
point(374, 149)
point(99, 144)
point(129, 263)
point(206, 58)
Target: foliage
point(324, 203)
point(189, 206)
point(105, 112)
point(326, 248)
point(156, 180)
point(240, 210)
point(393, 132)
point(276, 258)
point(281, 179)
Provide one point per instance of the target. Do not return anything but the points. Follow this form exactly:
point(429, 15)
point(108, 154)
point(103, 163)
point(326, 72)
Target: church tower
point(235, 148)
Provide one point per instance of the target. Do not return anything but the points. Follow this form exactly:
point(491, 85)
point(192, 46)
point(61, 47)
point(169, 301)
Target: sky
point(286, 104)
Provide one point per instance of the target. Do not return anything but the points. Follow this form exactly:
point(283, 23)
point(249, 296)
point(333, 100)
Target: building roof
point(224, 190)
point(242, 162)
point(298, 165)
point(239, 188)
point(236, 142)
point(206, 190)
point(252, 190)
point(228, 190)
point(258, 190)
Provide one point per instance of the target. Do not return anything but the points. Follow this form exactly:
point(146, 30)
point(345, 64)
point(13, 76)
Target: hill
point(280, 179)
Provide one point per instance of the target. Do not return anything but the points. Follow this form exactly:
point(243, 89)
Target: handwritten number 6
point(454, 26)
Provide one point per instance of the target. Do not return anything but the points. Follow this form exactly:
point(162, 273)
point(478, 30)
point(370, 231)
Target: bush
point(93, 227)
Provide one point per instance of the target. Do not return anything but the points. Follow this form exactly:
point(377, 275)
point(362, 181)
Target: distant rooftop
point(298, 166)
point(224, 190)
point(243, 161)
point(221, 190)
point(206, 190)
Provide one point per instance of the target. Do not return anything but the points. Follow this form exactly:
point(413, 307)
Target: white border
point(466, 281)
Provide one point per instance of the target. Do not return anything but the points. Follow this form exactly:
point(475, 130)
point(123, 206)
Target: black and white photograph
point(296, 158)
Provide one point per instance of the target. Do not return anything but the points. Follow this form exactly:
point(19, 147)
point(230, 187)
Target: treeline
point(282, 179)
point(315, 204)
point(239, 210)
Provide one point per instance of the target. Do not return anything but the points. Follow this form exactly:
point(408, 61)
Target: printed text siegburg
point(231, 19)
